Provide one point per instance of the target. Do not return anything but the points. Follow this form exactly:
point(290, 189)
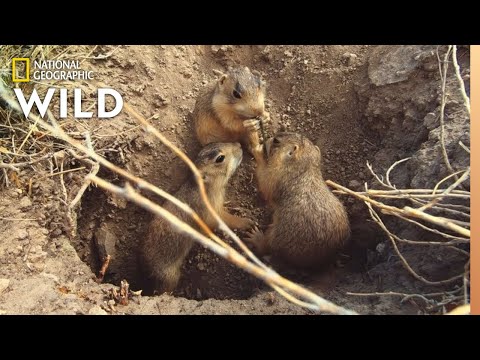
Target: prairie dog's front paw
point(256, 239)
point(258, 149)
point(237, 222)
point(265, 118)
point(252, 124)
point(245, 223)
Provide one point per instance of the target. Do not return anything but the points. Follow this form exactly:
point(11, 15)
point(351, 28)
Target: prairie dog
point(222, 112)
point(163, 250)
point(309, 223)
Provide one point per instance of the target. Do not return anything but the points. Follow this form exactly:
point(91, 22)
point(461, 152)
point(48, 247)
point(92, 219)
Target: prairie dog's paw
point(252, 124)
point(265, 118)
point(245, 223)
point(255, 237)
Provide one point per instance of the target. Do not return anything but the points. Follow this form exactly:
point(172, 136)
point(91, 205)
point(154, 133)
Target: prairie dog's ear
point(220, 74)
point(222, 78)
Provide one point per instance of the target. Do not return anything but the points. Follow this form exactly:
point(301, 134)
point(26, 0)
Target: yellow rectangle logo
point(25, 78)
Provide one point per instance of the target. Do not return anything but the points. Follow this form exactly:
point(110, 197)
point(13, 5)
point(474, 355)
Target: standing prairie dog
point(226, 111)
point(164, 249)
point(309, 223)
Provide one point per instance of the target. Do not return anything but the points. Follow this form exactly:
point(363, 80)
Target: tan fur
point(164, 249)
point(219, 116)
point(309, 223)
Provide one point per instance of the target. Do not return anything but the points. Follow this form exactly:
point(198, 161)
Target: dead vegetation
point(29, 142)
point(443, 211)
point(22, 142)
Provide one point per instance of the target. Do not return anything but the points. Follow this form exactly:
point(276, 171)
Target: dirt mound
point(357, 103)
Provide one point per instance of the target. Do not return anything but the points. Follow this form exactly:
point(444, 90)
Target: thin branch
point(440, 221)
point(15, 219)
point(95, 167)
point(464, 147)
point(405, 263)
point(17, 166)
point(403, 295)
point(415, 192)
point(442, 111)
point(435, 231)
point(466, 100)
point(406, 211)
point(391, 168)
point(435, 189)
point(460, 180)
point(374, 193)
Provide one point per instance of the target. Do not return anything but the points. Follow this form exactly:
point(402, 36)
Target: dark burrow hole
point(113, 226)
point(116, 227)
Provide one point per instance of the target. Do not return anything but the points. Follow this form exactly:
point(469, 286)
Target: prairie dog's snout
point(219, 160)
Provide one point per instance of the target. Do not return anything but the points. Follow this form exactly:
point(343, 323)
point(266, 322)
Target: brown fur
point(309, 223)
point(219, 115)
point(164, 249)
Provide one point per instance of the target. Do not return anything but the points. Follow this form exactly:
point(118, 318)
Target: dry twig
point(406, 211)
point(461, 84)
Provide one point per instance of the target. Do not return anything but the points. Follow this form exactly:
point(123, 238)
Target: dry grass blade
point(24, 138)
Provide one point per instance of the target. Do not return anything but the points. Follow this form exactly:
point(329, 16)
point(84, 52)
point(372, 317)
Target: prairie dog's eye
point(237, 94)
point(276, 141)
point(220, 159)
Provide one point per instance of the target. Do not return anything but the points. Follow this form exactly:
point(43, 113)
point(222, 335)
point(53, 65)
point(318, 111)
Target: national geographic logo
point(20, 70)
point(48, 70)
point(60, 70)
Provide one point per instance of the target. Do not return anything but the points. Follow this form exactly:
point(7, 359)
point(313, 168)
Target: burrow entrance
point(343, 98)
